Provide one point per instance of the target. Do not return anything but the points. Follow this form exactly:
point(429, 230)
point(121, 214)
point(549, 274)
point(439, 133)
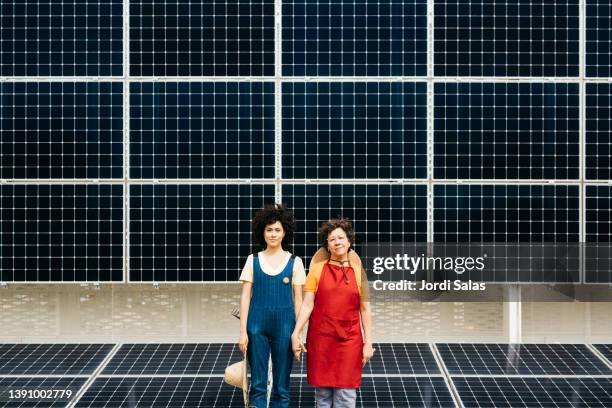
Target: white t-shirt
point(299, 275)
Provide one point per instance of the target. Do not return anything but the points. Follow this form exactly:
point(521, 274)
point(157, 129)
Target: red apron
point(334, 342)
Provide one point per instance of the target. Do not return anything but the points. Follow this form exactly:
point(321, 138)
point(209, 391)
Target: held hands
point(368, 352)
point(243, 341)
point(297, 346)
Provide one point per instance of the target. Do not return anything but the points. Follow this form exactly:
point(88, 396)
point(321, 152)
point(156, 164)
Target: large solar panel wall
point(138, 138)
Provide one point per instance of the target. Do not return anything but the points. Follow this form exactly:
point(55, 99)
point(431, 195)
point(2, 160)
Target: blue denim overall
point(270, 324)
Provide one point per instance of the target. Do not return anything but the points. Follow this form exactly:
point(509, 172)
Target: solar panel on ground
point(51, 359)
point(158, 392)
point(606, 350)
point(184, 359)
point(499, 392)
point(523, 359)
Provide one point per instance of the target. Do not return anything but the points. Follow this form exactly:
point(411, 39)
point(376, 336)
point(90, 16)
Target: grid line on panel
point(192, 232)
point(202, 130)
point(380, 213)
point(373, 130)
point(70, 233)
point(68, 38)
point(598, 33)
point(60, 130)
point(506, 131)
point(524, 38)
point(598, 131)
point(354, 38)
point(202, 38)
point(506, 213)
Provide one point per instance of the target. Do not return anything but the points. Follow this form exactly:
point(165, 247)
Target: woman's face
point(338, 243)
point(274, 234)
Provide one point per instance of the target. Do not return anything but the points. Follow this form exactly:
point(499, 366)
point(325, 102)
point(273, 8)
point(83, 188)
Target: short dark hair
point(269, 214)
point(328, 226)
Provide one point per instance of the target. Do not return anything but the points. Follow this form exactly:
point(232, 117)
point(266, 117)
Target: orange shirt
point(314, 275)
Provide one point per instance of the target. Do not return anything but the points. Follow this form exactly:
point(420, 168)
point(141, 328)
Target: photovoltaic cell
point(202, 38)
point(598, 233)
point(598, 131)
point(506, 213)
point(158, 392)
point(598, 38)
point(202, 130)
point(61, 130)
point(354, 38)
point(506, 131)
point(51, 359)
point(185, 359)
point(25, 383)
point(65, 233)
point(509, 39)
point(523, 359)
point(67, 38)
point(192, 232)
point(534, 392)
point(354, 130)
point(380, 213)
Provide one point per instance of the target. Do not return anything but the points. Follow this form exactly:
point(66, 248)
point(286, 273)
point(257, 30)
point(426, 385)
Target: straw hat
point(236, 375)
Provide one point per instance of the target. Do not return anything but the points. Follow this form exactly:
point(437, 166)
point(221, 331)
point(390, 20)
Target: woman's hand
point(243, 342)
point(297, 346)
point(368, 352)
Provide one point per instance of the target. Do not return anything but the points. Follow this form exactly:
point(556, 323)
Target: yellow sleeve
point(312, 279)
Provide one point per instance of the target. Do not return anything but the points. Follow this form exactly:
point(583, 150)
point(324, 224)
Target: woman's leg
point(282, 360)
point(258, 352)
point(345, 397)
point(324, 397)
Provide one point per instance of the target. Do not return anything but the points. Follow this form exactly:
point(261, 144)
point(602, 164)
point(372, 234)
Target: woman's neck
point(339, 258)
point(271, 251)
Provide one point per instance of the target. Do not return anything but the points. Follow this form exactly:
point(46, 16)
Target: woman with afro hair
point(272, 282)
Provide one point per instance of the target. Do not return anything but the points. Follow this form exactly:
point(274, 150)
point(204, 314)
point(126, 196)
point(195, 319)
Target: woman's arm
point(304, 314)
point(366, 322)
point(297, 299)
point(245, 302)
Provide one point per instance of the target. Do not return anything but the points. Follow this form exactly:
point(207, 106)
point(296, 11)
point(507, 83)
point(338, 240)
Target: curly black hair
point(269, 214)
point(328, 226)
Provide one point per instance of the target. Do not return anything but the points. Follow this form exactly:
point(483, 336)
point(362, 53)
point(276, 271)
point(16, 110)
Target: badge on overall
point(286, 280)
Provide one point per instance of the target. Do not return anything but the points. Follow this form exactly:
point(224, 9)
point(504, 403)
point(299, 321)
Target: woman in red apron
point(336, 302)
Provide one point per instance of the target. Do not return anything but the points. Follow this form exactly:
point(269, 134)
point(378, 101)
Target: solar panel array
point(399, 375)
point(137, 139)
